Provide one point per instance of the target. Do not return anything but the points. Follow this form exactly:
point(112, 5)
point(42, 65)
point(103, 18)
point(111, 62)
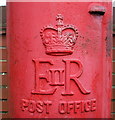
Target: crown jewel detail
point(59, 39)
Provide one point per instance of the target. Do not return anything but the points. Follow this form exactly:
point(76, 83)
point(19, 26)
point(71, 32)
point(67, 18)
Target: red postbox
point(59, 56)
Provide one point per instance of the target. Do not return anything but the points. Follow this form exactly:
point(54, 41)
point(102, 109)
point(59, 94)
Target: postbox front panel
point(60, 54)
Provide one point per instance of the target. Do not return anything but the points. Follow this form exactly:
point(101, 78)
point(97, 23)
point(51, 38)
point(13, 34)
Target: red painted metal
point(59, 56)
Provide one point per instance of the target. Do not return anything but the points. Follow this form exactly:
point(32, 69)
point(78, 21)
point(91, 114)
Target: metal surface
point(59, 59)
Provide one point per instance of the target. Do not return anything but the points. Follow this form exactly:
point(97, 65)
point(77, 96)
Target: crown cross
point(59, 19)
point(59, 39)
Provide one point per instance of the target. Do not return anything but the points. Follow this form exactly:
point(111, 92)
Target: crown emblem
point(59, 39)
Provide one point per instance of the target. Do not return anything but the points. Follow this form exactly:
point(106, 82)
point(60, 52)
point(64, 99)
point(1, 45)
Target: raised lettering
point(39, 76)
point(47, 103)
point(73, 77)
point(39, 106)
point(62, 107)
point(93, 104)
point(70, 105)
point(24, 104)
point(77, 106)
point(32, 106)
